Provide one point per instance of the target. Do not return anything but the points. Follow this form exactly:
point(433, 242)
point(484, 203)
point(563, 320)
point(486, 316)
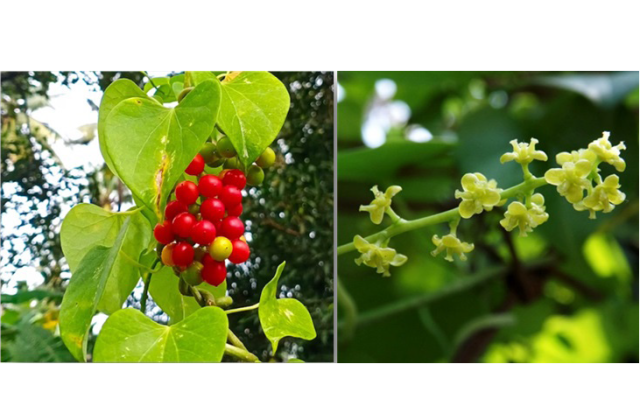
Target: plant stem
point(243, 309)
point(240, 354)
point(402, 226)
point(145, 291)
point(234, 340)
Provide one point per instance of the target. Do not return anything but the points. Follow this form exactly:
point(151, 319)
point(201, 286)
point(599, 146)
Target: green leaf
point(165, 293)
point(117, 92)
point(28, 295)
point(252, 111)
point(129, 336)
point(35, 344)
point(294, 360)
point(87, 226)
point(283, 317)
point(151, 145)
point(85, 290)
point(194, 78)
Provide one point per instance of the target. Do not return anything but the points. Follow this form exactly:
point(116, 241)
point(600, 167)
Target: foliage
point(512, 289)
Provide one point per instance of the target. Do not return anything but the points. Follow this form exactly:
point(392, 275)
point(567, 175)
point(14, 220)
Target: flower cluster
point(478, 195)
point(452, 246)
point(381, 203)
point(526, 218)
point(377, 256)
point(579, 172)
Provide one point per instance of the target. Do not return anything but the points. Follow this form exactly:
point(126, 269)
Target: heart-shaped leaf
point(151, 145)
point(117, 92)
point(87, 226)
point(253, 109)
point(283, 317)
point(165, 293)
point(85, 290)
point(129, 336)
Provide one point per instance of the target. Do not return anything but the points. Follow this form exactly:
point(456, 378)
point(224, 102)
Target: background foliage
point(292, 211)
point(566, 293)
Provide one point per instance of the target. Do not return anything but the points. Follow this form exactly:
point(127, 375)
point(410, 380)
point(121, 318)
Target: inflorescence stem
point(401, 225)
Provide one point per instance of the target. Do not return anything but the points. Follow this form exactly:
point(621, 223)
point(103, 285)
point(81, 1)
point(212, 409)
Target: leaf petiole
point(243, 309)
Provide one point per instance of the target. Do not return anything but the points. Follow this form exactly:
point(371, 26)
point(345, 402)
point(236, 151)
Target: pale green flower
point(526, 219)
point(604, 197)
point(479, 194)
point(608, 153)
point(380, 203)
point(452, 245)
point(377, 257)
point(524, 153)
point(575, 156)
point(571, 179)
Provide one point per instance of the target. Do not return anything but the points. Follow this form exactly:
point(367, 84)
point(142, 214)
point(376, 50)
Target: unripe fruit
point(187, 192)
point(255, 175)
point(217, 162)
point(225, 148)
point(220, 249)
point(194, 209)
point(212, 209)
point(183, 224)
point(184, 93)
point(232, 163)
point(214, 272)
point(240, 252)
point(203, 233)
point(230, 196)
point(162, 232)
point(209, 186)
point(208, 152)
point(235, 210)
point(196, 166)
point(167, 255)
point(236, 178)
point(267, 158)
point(193, 274)
point(173, 209)
point(231, 227)
point(199, 253)
point(183, 254)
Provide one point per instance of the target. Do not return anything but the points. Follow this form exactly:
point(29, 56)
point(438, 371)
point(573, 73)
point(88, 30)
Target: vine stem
point(240, 354)
point(234, 340)
point(348, 305)
point(145, 292)
point(243, 309)
point(401, 225)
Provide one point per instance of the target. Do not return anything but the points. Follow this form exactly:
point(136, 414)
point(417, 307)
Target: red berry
point(209, 186)
point(240, 252)
point(214, 272)
point(235, 210)
point(173, 209)
point(183, 254)
point(231, 227)
point(187, 192)
point(162, 232)
point(236, 178)
point(203, 233)
point(183, 224)
point(196, 166)
point(230, 196)
point(212, 209)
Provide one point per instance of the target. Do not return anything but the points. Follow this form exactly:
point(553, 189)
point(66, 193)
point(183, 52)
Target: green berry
point(267, 158)
point(255, 175)
point(217, 162)
point(232, 163)
point(225, 148)
point(192, 275)
point(208, 152)
point(194, 209)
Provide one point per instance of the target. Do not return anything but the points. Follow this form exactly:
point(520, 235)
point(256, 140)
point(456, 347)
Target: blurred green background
point(51, 161)
point(566, 293)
